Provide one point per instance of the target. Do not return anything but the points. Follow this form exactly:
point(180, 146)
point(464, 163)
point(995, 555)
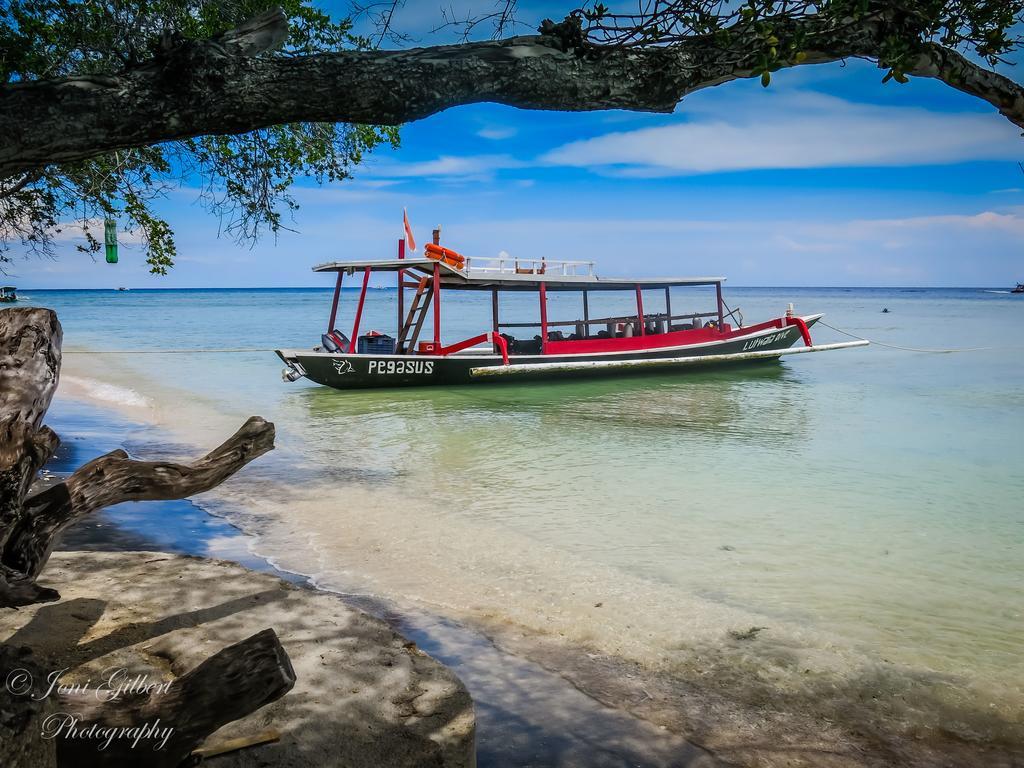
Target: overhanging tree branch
point(196, 88)
point(961, 73)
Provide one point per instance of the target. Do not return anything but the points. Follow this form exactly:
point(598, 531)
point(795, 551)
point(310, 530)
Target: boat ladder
point(414, 320)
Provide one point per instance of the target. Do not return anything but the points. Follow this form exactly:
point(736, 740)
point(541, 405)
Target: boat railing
point(514, 266)
point(490, 337)
point(618, 319)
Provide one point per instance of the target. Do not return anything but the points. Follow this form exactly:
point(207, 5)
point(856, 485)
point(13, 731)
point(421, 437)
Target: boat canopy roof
point(512, 274)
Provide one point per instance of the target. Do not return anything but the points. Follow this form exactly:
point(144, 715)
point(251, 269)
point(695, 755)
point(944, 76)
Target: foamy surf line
point(102, 392)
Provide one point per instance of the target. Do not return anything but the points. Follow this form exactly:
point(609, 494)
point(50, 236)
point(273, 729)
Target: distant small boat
point(8, 294)
point(1018, 289)
point(124, 289)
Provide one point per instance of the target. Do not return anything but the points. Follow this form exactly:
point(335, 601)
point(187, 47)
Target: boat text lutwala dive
point(647, 340)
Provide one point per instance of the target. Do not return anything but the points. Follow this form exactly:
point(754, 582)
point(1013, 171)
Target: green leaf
point(766, 78)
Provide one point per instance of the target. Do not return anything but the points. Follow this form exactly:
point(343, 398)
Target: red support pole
point(437, 306)
point(401, 291)
point(543, 317)
point(359, 313)
point(334, 304)
point(640, 310)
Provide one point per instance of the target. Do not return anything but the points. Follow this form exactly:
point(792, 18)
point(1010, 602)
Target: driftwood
point(227, 686)
point(220, 86)
point(30, 342)
point(114, 478)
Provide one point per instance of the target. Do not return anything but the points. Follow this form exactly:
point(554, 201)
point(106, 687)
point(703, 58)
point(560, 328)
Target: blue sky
point(827, 177)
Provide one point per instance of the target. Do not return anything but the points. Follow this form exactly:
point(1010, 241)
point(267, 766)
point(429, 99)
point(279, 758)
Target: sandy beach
point(364, 695)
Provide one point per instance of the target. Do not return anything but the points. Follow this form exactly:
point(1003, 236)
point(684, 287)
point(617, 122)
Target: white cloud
point(497, 132)
point(795, 130)
point(446, 167)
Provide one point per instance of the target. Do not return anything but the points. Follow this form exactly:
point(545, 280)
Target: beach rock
point(365, 696)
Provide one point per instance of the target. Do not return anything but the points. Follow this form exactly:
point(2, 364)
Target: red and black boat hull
point(355, 371)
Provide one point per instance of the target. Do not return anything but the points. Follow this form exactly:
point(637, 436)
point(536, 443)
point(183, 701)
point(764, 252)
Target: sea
point(839, 532)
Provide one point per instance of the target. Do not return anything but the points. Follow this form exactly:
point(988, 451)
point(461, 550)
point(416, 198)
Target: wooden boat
point(8, 294)
point(645, 341)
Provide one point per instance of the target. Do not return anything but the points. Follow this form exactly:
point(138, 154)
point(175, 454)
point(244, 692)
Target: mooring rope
point(904, 349)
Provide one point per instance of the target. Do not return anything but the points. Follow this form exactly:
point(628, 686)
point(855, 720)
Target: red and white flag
point(410, 241)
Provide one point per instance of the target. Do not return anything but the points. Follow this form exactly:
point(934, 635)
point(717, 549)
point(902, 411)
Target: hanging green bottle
point(110, 239)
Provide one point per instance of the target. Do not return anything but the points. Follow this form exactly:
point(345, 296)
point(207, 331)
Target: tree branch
point(963, 74)
point(203, 88)
point(114, 478)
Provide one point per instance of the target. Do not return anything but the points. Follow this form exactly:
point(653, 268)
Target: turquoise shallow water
point(866, 506)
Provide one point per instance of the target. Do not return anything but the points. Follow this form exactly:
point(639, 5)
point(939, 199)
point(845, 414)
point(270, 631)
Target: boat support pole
point(359, 313)
point(721, 307)
point(543, 317)
point(640, 310)
point(494, 316)
point(401, 289)
point(437, 306)
point(334, 304)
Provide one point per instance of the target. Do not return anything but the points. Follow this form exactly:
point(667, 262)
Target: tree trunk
point(219, 87)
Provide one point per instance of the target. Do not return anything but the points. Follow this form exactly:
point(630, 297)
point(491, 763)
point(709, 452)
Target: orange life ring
point(447, 255)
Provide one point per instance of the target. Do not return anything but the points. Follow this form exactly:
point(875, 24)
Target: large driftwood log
point(29, 370)
point(218, 86)
point(170, 722)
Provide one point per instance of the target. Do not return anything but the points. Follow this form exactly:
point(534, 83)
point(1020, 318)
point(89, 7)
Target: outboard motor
point(292, 372)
